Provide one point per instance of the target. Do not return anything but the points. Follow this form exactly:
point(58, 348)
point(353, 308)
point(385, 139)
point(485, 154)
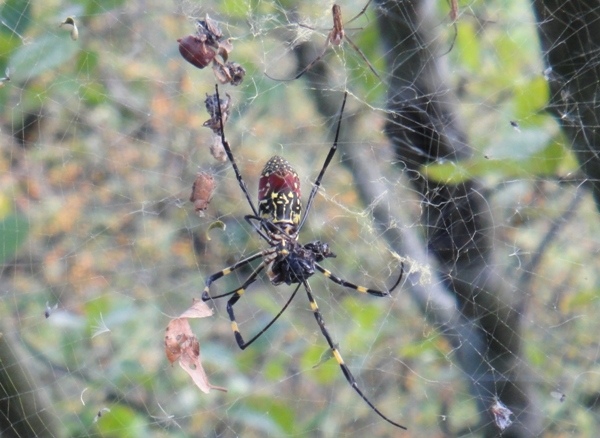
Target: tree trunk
point(570, 43)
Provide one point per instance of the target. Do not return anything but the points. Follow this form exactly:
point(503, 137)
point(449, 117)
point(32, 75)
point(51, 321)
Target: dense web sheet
point(448, 162)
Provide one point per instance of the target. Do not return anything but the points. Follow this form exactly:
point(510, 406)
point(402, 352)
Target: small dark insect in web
point(50, 309)
point(335, 38)
point(100, 413)
point(278, 220)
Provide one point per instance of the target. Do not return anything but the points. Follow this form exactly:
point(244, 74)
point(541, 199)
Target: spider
point(335, 38)
point(278, 220)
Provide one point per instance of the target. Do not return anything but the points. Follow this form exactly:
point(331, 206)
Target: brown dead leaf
point(181, 344)
point(199, 309)
point(202, 191)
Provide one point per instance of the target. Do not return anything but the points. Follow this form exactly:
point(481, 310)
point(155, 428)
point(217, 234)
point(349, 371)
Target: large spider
point(278, 220)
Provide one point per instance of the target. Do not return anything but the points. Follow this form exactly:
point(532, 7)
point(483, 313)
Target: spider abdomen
point(279, 193)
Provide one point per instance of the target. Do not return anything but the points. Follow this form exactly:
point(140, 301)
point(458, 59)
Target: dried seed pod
point(202, 191)
point(229, 73)
point(236, 72)
point(209, 31)
point(217, 150)
point(195, 51)
point(211, 106)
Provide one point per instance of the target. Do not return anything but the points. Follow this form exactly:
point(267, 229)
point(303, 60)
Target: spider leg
point(338, 357)
point(251, 279)
point(305, 69)
point(359, 14)
point(238, 336)
point(214, 277)
point(227, 148)
point(251, 218)
point(361, 289)
point(453, 40)
point(362, 55)
point(328, 159)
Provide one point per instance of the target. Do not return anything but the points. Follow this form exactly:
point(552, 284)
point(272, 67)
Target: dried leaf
point(181, 344)
point(199, 309)
point(191, 364)
point(69, 24)
point(216, 224)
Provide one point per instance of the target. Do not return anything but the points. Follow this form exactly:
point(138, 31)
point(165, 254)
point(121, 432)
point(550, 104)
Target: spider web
point(102, 138)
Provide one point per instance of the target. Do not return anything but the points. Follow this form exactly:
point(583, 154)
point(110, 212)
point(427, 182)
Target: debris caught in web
point(214, 123)
point(216, 224)
point(6, 77)
point(182, 345)
point(207, 46)
point(50, 309)
point(501, 414)
point(69, 24)
point(202, 192)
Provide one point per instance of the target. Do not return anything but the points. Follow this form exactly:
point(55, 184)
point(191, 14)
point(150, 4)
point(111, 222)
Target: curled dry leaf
point(69, 24)
point(182, 345)
point(216, 224)
point(202, 191)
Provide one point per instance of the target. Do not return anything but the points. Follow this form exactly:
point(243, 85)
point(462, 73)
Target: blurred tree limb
point(570, 43)
point(469, 302)
point(24, 410)
point(457, 221)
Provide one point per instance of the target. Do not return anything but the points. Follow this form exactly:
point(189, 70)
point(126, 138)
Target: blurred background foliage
point(101, 140)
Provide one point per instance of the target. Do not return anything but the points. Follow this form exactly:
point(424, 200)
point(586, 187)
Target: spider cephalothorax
point(278, 221)
point(295, 263)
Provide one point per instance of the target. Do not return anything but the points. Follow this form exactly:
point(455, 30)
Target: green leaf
point(13, 232)
point(117, 420)
point(93, 93)
point(95, 7)
point(45, 53)
point(326, 371)
point(270, 416)
point(519, 154)
point(469, 43)
point(531, 98)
